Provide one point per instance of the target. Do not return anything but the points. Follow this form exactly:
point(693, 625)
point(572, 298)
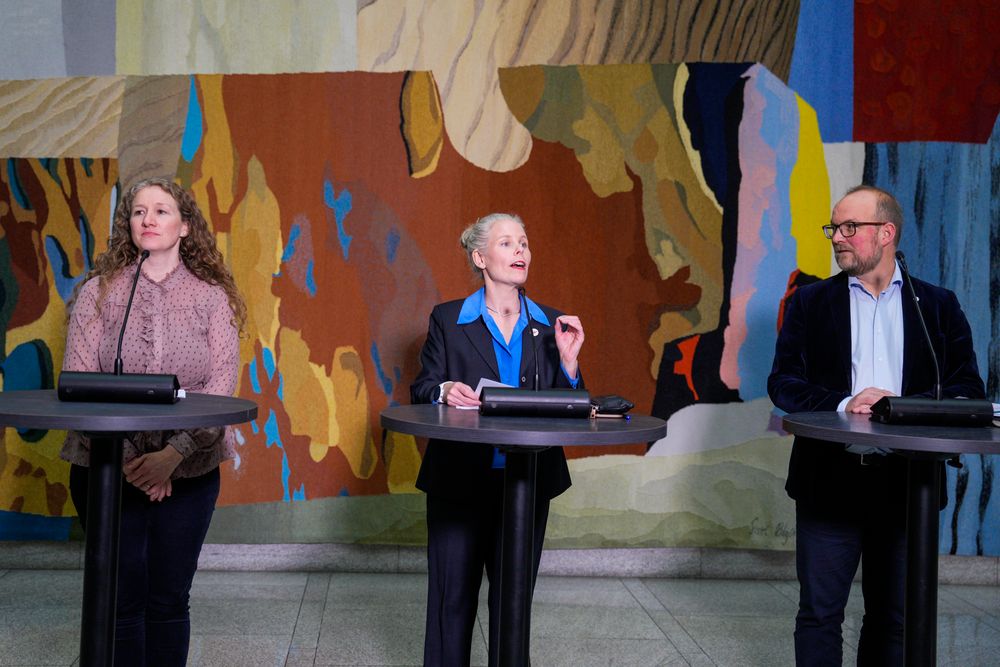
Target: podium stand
point(521, 438)
point(924, 447)
point(107, 424)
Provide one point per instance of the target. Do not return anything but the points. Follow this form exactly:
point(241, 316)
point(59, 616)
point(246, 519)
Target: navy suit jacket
point(464, 353)
point(812, 372)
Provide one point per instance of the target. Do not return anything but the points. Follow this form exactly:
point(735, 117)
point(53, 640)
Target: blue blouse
point(508, 353)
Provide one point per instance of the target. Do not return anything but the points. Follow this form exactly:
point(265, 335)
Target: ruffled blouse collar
point(146, 309)
point(172, 276)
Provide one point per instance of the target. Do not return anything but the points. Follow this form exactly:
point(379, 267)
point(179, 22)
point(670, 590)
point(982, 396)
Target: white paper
point(483, 382)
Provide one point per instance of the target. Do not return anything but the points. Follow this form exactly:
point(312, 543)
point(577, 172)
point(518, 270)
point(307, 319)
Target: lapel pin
point(534, 331)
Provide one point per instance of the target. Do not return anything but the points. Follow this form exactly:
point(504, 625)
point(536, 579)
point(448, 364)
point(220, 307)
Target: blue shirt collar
point(474, 307)
point(897, 279)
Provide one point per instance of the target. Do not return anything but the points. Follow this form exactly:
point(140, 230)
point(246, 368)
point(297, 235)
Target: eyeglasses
point(847, 229)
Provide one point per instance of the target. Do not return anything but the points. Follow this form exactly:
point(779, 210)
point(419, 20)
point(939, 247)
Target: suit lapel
point(528, 341)
point(482, 342)
point(840, 320)
point(913, 338)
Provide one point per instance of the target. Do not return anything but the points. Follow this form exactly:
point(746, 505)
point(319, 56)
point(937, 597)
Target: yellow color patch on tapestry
point(422, 122)
point(809, 194)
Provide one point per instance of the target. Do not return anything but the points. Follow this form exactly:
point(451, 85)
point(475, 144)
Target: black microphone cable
point(923, 325)
point(119, 364)
point(534, 349)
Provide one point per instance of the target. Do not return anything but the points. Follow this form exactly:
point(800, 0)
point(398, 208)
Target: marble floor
point(288, 618)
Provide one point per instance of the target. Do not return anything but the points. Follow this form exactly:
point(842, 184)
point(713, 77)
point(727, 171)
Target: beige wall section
point(152, 126)
point(236, 36)
point(465, 44)
point(61, 117)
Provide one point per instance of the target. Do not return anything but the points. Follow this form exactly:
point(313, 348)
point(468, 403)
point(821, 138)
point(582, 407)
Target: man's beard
point(855, 266)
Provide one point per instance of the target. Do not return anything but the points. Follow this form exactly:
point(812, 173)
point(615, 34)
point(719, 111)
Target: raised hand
point(569, 339)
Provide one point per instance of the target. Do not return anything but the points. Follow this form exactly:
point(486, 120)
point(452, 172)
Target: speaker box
point(511, 402)
point(111, 388)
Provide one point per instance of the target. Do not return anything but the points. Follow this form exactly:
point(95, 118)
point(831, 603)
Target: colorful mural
point(54, 213)
point(672, 204)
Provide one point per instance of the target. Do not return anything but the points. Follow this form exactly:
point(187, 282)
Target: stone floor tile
point(675, 633)
point(743, 640)
point(577, 652)
point(588, 622)
point(583, 591)
point(41, 588)
point(249, 585)
point(301, 657)
point(985, 598)
point(40, 635)
point(722, 597)
point(243, 617)
point(642, 595)
point(238, 651)
point(376, 590)
point(371, 636)
point(317, 586)
point(307, 625)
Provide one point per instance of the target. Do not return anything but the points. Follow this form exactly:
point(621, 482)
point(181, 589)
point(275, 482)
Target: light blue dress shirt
point(876, 342)
point(508, 353)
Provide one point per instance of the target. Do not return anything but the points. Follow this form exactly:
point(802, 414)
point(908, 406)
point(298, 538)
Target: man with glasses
point(845, 342)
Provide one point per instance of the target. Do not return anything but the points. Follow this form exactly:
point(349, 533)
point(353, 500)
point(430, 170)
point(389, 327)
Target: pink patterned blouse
point(180, 325)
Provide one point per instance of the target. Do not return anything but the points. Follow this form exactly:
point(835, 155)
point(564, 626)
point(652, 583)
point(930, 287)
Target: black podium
point(521, 438)
point(107, 424)
point(924, 447)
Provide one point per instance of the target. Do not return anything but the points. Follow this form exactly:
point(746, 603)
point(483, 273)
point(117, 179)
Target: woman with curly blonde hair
point(186, 320)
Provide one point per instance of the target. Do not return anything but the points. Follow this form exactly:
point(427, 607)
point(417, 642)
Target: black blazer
point(812, 372)
point(464, 353)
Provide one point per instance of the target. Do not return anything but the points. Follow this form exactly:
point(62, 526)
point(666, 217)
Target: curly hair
point(198, 250)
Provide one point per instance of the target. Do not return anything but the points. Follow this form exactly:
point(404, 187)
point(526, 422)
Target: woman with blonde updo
point(486, 335)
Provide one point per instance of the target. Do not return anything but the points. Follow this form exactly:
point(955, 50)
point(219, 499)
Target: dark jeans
point(463, 537)
point(829, 546)
point(157, 558)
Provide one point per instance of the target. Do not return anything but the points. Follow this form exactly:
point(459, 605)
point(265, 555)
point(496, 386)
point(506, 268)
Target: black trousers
point(830, 542)
point(158, 553)
point(463, 539)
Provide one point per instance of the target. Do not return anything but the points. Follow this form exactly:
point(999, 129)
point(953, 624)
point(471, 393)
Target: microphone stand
point(938, 410)
point(534, 348)
point(119, 364)
point(901, 258)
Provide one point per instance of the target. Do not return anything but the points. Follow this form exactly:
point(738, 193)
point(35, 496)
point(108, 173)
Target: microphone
point(120, 387)
point(534, 348)
point(516, 402)
point(119, 364)
point(937, 411)
point(901, 258)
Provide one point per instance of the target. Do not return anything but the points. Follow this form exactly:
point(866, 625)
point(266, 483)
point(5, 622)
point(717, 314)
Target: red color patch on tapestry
point(926, 71)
